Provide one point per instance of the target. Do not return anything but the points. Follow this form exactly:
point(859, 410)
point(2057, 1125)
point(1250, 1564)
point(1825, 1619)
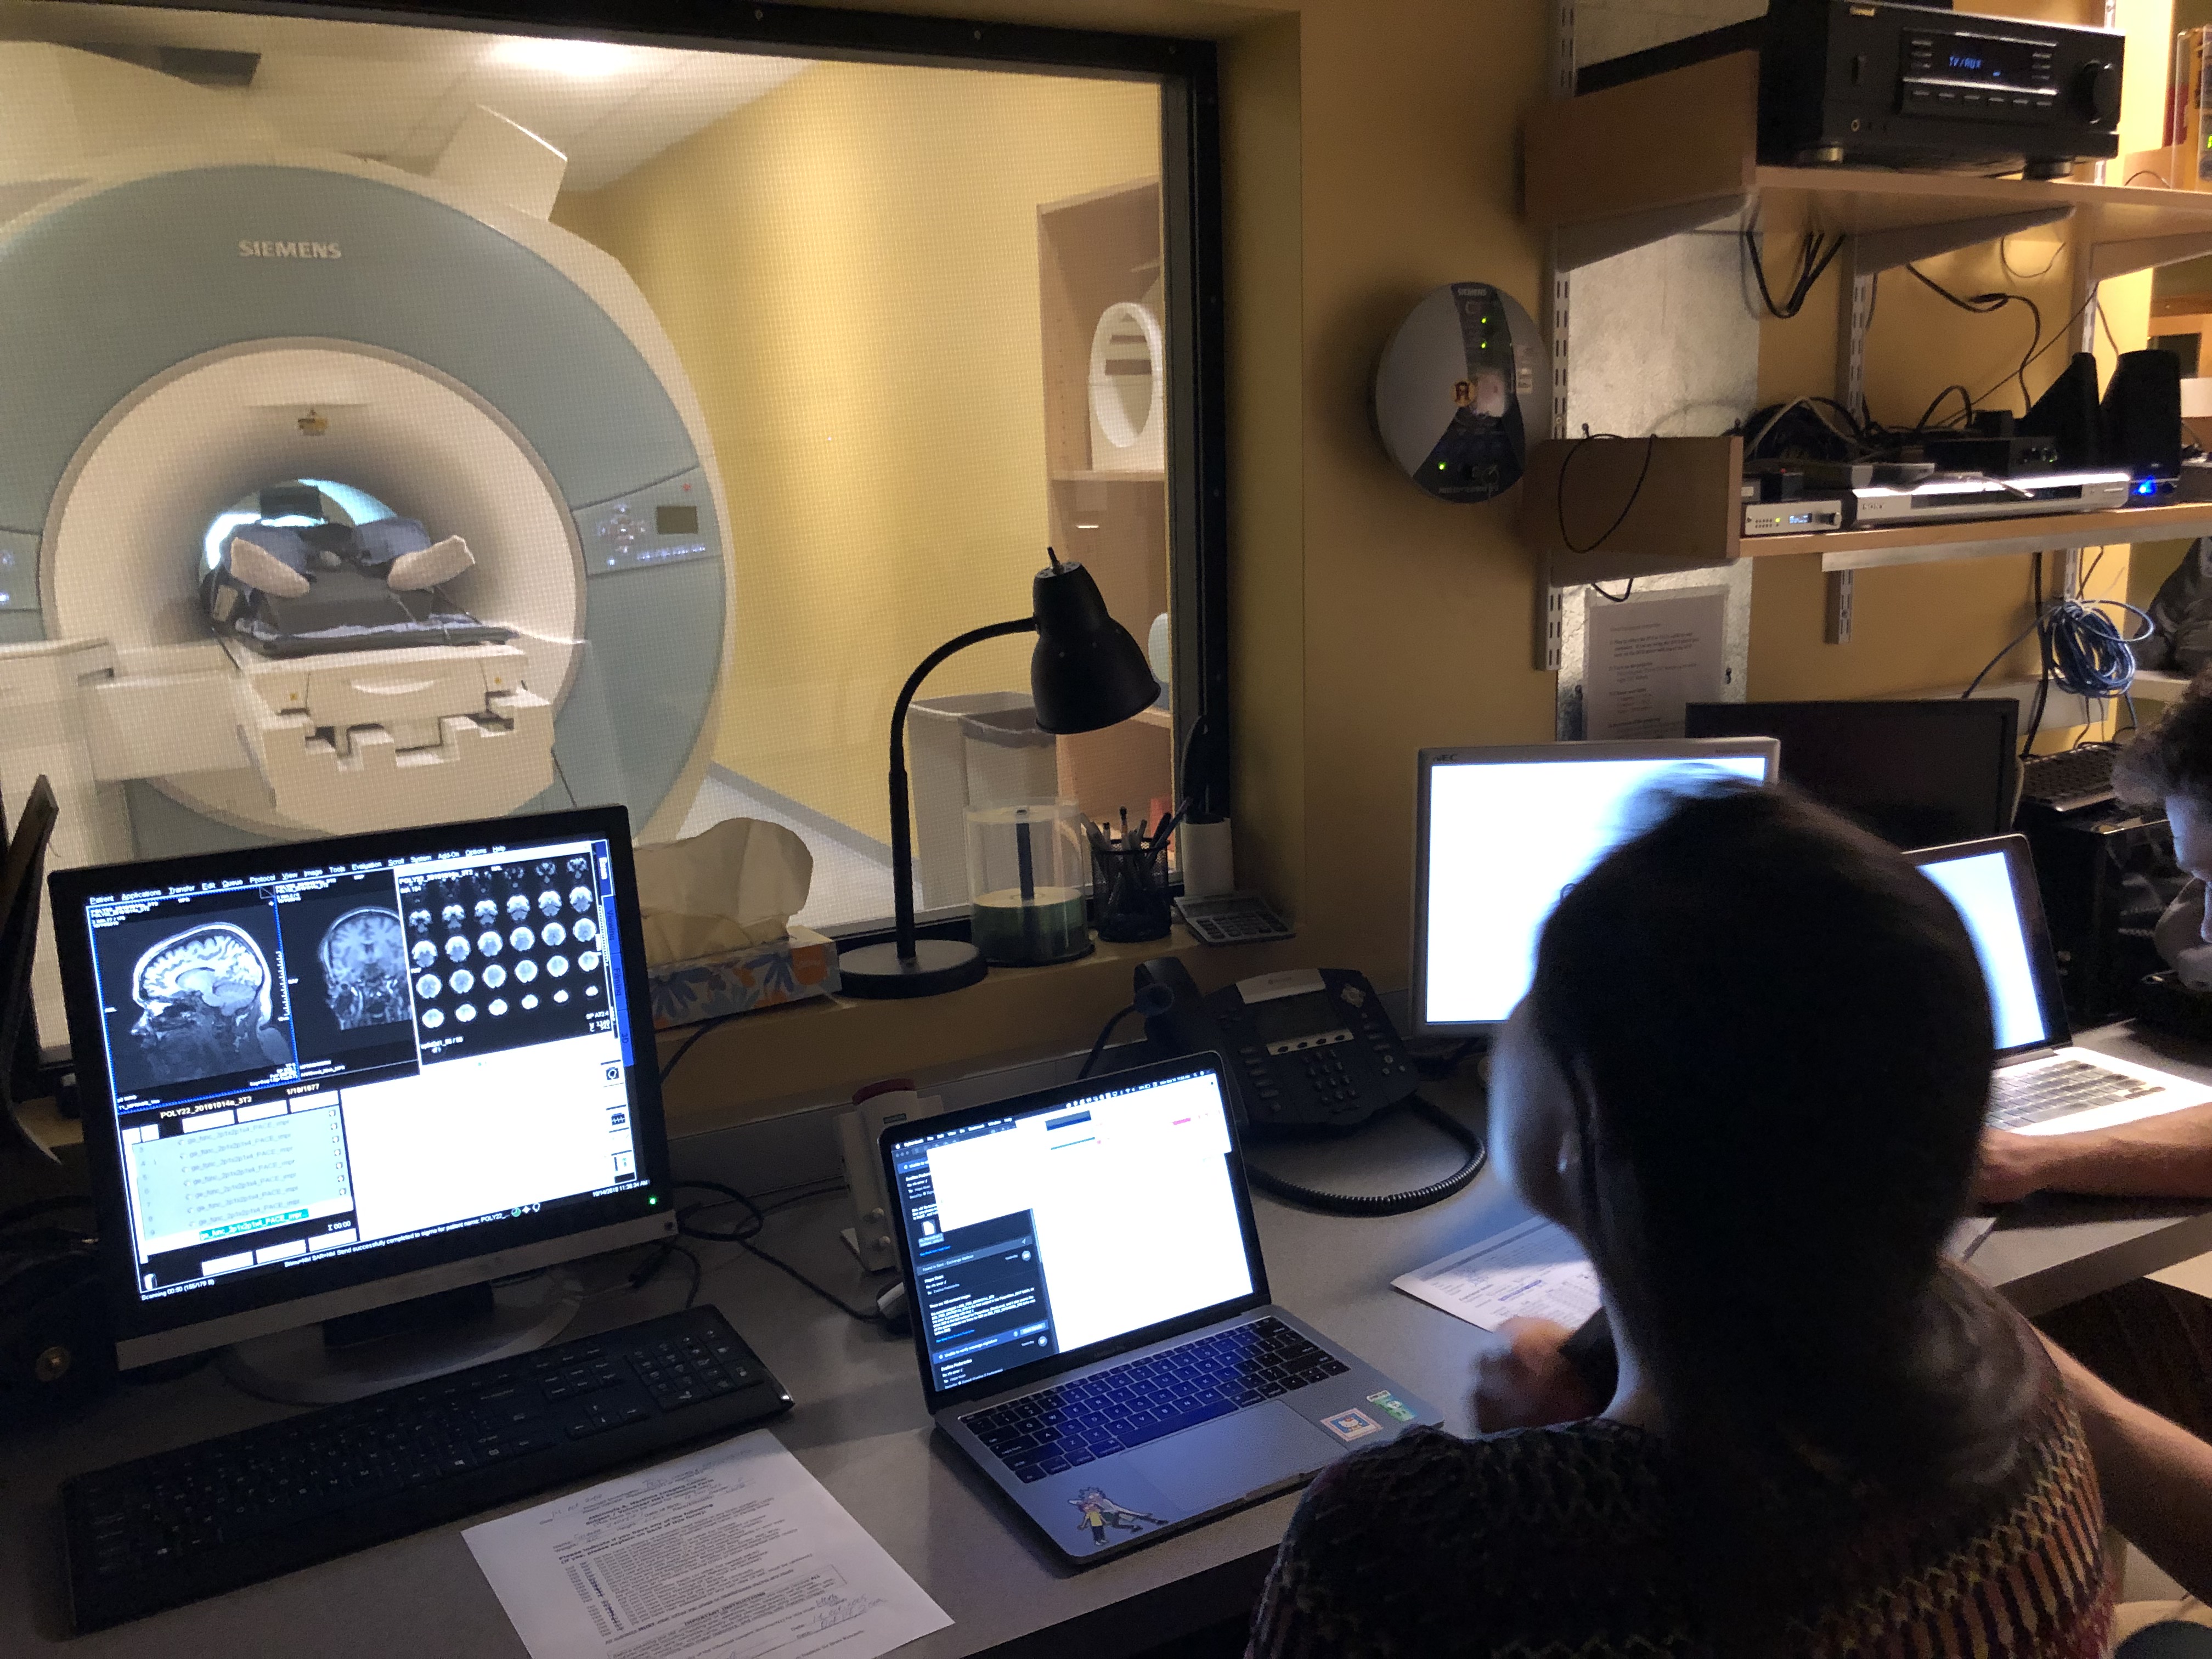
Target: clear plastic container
point(1027, 867)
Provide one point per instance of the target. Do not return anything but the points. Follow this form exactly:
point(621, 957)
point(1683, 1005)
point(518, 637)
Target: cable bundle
point(2088, 654)
point(2082, 650)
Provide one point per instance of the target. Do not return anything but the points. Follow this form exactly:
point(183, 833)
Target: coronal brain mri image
point(206, 1002)
point(363, 954)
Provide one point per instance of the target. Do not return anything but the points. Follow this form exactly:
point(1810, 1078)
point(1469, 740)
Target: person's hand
point(1529, 1383)
point(2012, 1166)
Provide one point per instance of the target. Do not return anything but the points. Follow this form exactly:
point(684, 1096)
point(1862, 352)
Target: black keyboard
point(2068, 781)
point(186, 1524)
point(2028, 1094)
point(1056, 1428)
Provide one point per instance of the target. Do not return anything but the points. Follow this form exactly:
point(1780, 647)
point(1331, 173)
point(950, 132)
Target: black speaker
point(2143, 415)
point(56, 1342)
point(2068, 415)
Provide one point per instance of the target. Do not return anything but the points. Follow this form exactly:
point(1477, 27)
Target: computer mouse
point(892, 1309)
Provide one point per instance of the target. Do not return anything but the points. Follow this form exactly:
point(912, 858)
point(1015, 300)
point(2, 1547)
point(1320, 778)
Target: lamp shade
point(1086, 671)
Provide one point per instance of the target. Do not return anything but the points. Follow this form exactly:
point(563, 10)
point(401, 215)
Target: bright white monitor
point(1991, 884)
point(1502, 833)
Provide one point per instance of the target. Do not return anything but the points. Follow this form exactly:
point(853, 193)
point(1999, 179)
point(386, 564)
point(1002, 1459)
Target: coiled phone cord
point(1381, 1204)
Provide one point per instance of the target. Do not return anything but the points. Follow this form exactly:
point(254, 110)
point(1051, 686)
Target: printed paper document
point(1534, 1271)
point(734, 1552)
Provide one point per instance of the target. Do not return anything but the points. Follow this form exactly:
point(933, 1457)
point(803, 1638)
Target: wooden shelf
point(1108, 477)
point(1592, 175)
point(1982, 539)
point(1685, 516)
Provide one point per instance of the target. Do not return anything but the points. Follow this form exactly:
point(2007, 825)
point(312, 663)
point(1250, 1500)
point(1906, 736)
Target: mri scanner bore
point(513, 593)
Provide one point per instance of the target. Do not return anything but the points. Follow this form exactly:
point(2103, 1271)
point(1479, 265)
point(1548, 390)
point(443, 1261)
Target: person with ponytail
point(1749, 1077)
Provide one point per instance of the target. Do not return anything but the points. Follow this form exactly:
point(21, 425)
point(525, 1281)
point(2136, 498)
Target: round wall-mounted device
point(1457, 392)
point(1129, 370)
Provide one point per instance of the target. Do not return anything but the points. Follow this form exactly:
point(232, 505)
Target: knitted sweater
point(1553, 1544)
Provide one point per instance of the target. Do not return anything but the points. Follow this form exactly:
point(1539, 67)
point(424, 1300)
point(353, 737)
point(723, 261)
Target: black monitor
point(21, 870)
point(1918, 773)
point(325, 1078)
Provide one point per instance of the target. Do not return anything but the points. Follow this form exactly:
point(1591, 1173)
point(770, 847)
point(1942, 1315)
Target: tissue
point(724, 890)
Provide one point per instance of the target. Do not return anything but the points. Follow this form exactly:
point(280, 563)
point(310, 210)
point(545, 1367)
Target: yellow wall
point(848, 267)
point(1370, 152)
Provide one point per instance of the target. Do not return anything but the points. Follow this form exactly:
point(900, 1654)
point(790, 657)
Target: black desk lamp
point(1087, 673)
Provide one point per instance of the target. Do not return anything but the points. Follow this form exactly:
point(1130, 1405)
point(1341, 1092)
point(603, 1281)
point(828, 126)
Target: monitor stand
point(365, 1353)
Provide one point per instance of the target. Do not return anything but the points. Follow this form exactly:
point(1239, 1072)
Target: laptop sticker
point(1351, 1425)
point(1390, 1403)
point(1099, 1515)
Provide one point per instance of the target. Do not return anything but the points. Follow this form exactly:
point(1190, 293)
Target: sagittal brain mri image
point(205, 1004)
point(364, 958)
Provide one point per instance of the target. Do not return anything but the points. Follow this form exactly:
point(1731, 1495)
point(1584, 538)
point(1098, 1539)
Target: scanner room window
point(408, 424)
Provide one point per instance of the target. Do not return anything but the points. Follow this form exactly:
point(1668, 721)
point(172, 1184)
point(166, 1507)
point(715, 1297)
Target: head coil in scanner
point(483, 372)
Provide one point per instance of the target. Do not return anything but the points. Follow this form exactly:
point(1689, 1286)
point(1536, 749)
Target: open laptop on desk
point(1091, 1313)
point(2043, 1084)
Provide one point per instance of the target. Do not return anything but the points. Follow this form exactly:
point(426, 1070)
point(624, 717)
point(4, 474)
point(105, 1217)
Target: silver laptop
point(2043, 1085)
point(1091, 1313)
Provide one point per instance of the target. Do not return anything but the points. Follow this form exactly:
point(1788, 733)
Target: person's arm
point(2156, 1477)
point(2168, 1157)
point(1543, 1374)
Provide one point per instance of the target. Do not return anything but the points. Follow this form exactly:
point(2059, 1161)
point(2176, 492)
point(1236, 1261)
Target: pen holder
point(1129, 889)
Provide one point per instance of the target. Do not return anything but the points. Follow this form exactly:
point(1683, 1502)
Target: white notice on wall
point(1534, 1271)
point(734, 1552)
point(1647, 657)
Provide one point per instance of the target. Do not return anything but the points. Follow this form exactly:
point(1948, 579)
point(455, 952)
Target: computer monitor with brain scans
point(327, 1077)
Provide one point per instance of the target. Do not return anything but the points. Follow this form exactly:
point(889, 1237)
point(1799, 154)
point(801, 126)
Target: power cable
point(1985, 305)
point(1650, 443)
point(743, 1234)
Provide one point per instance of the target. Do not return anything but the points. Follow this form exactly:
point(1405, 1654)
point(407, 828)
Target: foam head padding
point(255, 566)
point(427, 567)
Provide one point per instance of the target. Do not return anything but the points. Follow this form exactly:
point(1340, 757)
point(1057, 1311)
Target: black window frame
point(1187, 72)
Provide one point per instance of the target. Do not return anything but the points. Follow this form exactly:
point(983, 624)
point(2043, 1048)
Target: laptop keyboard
point(1056, 1428)
point(2030, 1094)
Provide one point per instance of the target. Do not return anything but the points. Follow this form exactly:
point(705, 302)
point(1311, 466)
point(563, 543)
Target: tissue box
point(801, 964)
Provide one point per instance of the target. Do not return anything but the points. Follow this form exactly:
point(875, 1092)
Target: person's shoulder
point(1436, 1545)
point(1525, 1490)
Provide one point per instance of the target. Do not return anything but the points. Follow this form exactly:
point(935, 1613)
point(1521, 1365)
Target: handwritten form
point(1534, 1271)
point(734, 1552)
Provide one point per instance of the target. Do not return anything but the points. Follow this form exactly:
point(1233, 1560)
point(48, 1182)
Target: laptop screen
point(1978, 881)
point(1047, 1229)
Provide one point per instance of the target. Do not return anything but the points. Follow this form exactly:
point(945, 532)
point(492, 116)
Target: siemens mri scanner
point(193, 314)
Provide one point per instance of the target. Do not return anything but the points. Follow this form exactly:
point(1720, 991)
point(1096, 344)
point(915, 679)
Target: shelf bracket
point(2144, 253)
point(2103, 259)
point(1836, 609)
point(1579, 245)
point(1885, 249)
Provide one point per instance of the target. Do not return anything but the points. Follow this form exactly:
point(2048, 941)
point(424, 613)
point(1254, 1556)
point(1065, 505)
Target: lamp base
point(939, 965)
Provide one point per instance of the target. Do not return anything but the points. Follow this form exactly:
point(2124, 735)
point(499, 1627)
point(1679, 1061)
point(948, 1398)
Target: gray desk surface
point(860, 1427)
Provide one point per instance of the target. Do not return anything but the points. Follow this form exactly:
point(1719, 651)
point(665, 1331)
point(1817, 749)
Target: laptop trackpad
point(1221, 1461)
